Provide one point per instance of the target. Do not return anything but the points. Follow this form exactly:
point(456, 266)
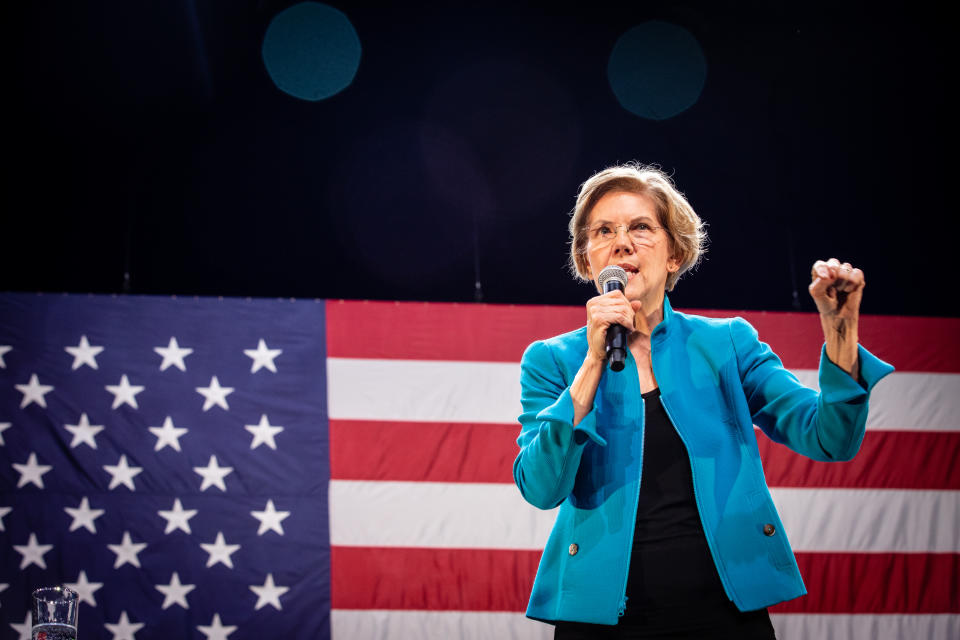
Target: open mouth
point(630, 269)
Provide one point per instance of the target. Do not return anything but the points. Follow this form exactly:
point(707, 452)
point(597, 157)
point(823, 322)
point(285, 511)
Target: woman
point(666, 527)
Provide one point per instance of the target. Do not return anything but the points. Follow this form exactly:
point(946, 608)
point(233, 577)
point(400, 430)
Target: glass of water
point(55, 613)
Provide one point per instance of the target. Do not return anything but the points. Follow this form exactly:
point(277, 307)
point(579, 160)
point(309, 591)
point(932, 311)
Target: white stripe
point(349, 624)
point(909, 401)
point(494, 516)
point(872, 520)
point(449, 391)
point(423, 390)
point(866, 627)
point(435, 514)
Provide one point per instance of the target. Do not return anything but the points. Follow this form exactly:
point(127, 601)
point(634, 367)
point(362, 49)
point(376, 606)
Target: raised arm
point(837, 289)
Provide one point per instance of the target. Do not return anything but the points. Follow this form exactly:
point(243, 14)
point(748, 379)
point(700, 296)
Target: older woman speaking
point(666, 527)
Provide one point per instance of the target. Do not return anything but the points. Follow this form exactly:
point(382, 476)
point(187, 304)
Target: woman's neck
point(653, 310)
point(647, 321)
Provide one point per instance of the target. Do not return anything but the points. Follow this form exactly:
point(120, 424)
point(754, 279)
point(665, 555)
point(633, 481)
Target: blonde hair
point(684, 227)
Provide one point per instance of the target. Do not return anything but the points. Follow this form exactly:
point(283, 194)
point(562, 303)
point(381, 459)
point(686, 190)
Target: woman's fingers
point(603, 311)
point(842, 275)
point(832, 282)
point(611, 308)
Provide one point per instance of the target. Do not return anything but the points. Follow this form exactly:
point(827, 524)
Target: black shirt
point(671, 563)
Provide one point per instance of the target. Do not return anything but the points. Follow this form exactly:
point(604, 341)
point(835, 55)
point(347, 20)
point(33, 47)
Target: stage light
point(657, 70)
point(311, 51)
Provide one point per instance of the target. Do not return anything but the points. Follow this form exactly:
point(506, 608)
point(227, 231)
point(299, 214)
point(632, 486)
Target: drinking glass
point(55, 613)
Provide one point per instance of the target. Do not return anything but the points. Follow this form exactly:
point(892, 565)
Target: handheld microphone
point(614, 278)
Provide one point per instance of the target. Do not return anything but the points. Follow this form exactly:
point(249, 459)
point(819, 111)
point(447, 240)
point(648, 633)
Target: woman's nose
point(623, 242)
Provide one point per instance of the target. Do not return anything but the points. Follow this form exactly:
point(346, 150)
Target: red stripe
point(500, 580)
point(887, 460)
point(877, 583)
point(444, 452)
point(461, 452)
point(500, 333)
point(441, 331)
point(437, 579)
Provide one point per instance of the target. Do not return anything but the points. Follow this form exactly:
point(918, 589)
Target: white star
point(216, 631)
point(83, 354)
point(269, 593)
point(84, 589)
point(167, 435)
point(215, 394)
point(3, 427)
point(270, 519)
point(175, 593)
point(124, 393)
point(213, 474)
point(83, 516)
point(4, 511)
point(24, 629)
point(173, 354)
point(121, 473)
point(263, 357)
point(31, 471)
point(177, 517)
point(84, 432)
point(127, 551)
point(263, 433)
point(33, 391)
point(4, 348)
point(123, 629)
point(220, 551)
point(32, 552)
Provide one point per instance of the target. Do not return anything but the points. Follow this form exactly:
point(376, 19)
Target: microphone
point(614, 278)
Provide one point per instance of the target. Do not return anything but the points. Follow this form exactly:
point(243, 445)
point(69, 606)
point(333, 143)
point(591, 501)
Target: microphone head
point(612, 277)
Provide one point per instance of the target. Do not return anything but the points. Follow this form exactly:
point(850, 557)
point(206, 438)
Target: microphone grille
point(613, 272)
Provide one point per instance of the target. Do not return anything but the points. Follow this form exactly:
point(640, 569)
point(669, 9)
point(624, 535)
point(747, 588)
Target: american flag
point(167, 459)
point(403, 417)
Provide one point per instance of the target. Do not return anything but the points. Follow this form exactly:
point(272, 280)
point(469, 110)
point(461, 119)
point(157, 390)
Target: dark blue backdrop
point(149, 140)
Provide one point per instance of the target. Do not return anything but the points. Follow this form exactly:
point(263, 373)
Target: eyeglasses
point(605, 233)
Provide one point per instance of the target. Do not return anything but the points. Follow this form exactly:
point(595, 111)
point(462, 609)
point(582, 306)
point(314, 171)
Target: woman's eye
point(640, 226)
point(603, 231)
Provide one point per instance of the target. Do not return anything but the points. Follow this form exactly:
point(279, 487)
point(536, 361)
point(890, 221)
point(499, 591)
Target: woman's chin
point(636, 288)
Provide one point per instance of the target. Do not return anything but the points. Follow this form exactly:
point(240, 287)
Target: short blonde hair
point(684, 227)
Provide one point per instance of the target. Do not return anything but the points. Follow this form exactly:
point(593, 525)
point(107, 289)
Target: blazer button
point(574, 549)
point(769, 529)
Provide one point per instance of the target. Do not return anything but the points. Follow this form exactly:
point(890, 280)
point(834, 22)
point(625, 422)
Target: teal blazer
point(716, 381)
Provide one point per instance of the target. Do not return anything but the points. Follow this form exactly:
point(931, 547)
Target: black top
point(671, 564)
point(673, 586)
point(667, 509)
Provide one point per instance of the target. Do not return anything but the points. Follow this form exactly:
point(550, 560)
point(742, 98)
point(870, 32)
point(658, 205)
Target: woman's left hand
point(837, 289)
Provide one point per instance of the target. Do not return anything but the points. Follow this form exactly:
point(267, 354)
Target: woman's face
point(644, 253)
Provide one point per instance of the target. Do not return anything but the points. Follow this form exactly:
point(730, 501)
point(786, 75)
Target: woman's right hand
point(603, 311)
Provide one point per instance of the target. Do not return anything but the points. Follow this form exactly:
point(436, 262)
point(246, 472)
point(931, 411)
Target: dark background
point(148, 139)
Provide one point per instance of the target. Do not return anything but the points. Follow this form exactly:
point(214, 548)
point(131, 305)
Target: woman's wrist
point(584, 386)
point(841, 338)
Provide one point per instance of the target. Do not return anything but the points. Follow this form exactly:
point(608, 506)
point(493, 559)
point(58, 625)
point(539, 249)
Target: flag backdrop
point(209, 468)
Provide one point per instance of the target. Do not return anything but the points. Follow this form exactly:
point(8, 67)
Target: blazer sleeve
point(828, 425)
point(550, 446)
